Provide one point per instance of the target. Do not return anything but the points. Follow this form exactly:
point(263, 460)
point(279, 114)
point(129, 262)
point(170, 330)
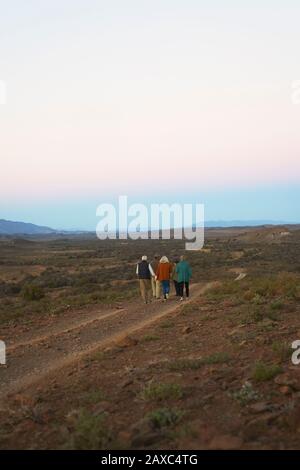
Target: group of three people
point(158, 274)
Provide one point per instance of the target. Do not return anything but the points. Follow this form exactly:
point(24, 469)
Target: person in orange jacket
point(163, 274)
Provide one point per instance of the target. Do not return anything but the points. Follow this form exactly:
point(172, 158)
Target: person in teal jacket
point(184, 273)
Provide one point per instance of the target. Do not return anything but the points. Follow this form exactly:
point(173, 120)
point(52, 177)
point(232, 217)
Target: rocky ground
point(215, 373)
point(91, 369)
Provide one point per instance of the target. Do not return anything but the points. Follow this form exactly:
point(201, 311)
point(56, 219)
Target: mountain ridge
point(9, 227)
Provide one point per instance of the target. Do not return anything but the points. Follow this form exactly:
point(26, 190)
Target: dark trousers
point(176, 286)
point(181, 286)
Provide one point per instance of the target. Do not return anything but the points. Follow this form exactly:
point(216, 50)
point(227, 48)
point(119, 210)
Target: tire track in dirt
point(45, 337)
point(35, 360)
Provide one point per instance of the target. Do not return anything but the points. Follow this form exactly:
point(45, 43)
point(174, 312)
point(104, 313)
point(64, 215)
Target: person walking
point(154, 282)
point(184, 273)
point(175, 278)
point(144, 272)
point(163, 274)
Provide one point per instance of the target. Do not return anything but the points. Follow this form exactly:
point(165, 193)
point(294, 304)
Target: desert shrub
point(259, 290)
point(283, 285)
point(273, 315)
point(263, 372)
point(224, 290)
point(216, 358)
point(258, 299)
point(88, 432)
point(32, 292)
point(9, 288)
point(190, 308)
point(247, 394)
point(276, 305)
point(164, 417)
point(161, 391)
point(150, 337)
point(282, 350)
point(84, 279)
point(54, 279)
point(265, 287)
point(256, 314)
point(94, 396)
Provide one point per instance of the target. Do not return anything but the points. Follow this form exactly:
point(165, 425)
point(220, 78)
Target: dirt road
point(35, 354)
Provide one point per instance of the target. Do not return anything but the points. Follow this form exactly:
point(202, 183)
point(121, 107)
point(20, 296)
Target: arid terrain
point(89, 366)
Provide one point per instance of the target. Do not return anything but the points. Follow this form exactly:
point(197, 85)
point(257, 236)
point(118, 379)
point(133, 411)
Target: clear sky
point(162, 100)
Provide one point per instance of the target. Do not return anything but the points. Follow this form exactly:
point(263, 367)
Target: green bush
point(164, 417)
point(263, 372)
point(216, 358)
point(161, 391)
point(31, 292)
point(88, 433)
point(150, 337)
point(276, 305)
point(282, 350)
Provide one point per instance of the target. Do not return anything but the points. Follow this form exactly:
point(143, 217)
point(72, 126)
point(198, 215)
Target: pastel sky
point(161, 100)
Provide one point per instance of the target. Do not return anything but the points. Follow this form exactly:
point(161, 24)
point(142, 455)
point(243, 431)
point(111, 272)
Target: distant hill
point(8, 227)
point(242, 223)
point(266, 234)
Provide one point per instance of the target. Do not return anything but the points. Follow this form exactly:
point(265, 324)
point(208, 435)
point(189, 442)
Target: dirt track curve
point(36, 354)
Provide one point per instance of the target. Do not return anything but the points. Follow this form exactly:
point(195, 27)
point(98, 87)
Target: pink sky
point(183, 95)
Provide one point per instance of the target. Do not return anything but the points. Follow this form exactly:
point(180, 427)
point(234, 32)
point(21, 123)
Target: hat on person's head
point(144, 258)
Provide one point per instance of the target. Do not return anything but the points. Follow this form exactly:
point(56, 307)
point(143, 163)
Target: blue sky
point(261, 203)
